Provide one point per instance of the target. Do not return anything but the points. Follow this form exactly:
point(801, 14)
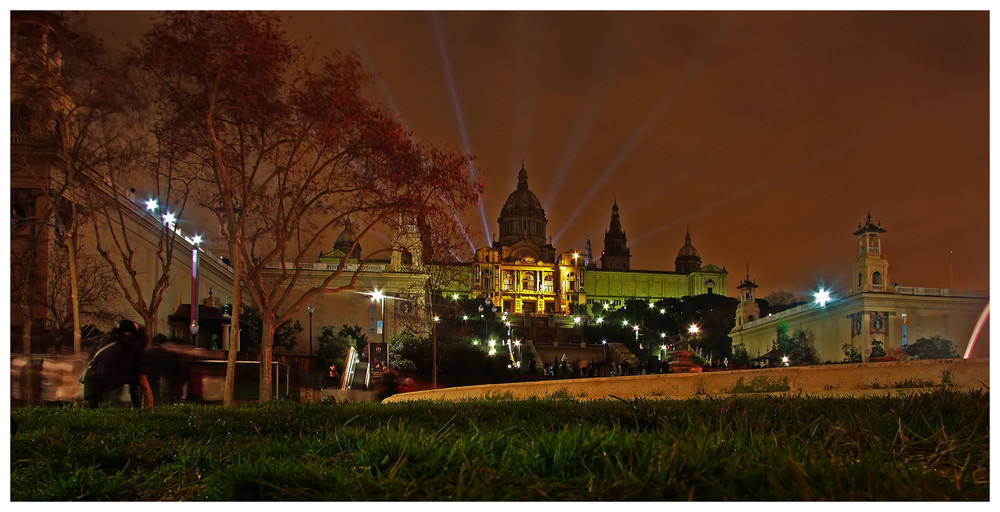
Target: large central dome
point(522, 216)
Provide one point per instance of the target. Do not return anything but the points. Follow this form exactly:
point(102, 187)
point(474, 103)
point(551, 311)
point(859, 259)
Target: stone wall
point(858, 379)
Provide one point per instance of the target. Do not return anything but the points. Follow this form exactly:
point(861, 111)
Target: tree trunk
point(70, 228)
point(74, 296)
point(234, 326)
point(25, 323)
point(266, 355)
point(149, 322)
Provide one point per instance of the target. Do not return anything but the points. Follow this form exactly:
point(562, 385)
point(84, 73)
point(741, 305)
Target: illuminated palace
point(543, 292)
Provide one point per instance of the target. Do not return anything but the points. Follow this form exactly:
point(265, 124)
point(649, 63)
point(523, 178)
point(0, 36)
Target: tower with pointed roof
point(588, 255)
point(616, 255)
point(746, 309)
point(407, 250)
point(871, 268)
point(687, 260)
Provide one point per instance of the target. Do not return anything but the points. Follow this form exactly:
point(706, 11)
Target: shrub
point(877, 350)
point(851, 354)
point(934, 347)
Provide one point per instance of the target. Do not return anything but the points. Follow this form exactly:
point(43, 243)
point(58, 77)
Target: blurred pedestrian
point(119, 360)
point(406, 386)
point(332, 378)
point(139, 390)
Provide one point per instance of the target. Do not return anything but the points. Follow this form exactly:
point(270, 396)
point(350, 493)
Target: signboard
point(372, 319)
point(378, 360)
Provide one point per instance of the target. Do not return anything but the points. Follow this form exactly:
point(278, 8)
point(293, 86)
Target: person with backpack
point(119, 360)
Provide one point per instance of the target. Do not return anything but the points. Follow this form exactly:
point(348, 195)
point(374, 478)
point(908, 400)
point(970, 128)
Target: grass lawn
point(923, 447)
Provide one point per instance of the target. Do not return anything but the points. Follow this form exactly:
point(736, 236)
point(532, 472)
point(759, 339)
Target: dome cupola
point(345, 240)
point(688, 259)
point(522, 216)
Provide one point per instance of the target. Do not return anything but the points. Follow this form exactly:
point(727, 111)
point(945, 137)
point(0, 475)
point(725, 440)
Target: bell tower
point(871, 268)
point(746, 310)
point(616, 255)
point(407, 252)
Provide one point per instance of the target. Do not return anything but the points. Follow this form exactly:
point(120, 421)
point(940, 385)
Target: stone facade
point(873, 310)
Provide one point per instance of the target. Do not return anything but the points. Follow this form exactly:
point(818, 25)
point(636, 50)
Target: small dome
point(688, 251)
point(346, 239)
point(688, 259)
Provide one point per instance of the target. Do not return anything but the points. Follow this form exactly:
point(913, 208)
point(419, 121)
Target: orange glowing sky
point(770, 135)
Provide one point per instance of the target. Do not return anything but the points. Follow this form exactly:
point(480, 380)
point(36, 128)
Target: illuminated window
point(529, 282)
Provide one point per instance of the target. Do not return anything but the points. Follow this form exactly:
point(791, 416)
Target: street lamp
point(310, 309)
point(604, 365)
point(490, 308)
point(377, 295)
point(194, 285)
point(434, 356)
point(822, 297)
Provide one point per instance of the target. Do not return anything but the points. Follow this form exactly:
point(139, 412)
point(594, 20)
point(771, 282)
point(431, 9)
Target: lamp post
point(310, 309)
point(380, 297)
point(692, 331)
point(483, 312)
point(434, 356)
point(194, 289)
point(604, 364)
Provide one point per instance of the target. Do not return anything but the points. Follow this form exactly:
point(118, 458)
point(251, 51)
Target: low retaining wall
point(858, 379)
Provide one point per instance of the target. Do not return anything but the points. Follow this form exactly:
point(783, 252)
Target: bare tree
point(782, 298)
point(121, 228)
point(290, 147)
point(45, 117)
point(96, 288)
point(90, 114)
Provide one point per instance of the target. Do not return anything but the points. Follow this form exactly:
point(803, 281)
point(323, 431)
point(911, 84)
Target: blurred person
point(406, 386)
point(117, 362)
point(138, 369)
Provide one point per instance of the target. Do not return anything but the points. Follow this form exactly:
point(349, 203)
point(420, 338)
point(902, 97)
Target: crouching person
point(119, 360)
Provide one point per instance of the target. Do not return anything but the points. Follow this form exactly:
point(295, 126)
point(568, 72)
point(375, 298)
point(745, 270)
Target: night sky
point(771, 136)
